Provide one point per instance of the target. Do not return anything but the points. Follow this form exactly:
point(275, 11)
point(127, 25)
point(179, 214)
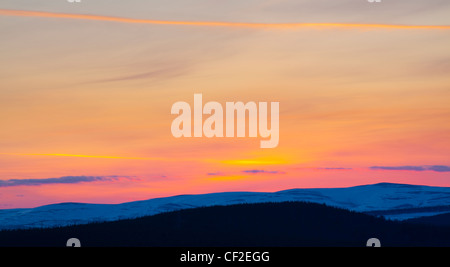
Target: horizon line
point(221, 192)
point(25, 13)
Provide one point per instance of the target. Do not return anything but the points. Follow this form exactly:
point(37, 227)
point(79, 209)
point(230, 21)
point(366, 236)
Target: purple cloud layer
point(59, 180)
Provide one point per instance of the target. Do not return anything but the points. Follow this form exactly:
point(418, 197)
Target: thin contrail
point(24, 13)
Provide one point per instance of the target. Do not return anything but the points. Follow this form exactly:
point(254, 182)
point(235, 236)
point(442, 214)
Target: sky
point(86, 91)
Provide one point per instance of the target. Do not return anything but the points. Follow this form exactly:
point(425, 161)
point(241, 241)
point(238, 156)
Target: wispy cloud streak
point(81, 156)
point(60, 180)
point(335, 169)
point(435, 168)
point(24, 13)
point(262, 171)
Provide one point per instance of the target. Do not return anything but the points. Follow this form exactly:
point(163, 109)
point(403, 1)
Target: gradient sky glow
point(85, 95)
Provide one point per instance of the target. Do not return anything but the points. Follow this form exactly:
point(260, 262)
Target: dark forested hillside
point(263, 224)
point(436, 220)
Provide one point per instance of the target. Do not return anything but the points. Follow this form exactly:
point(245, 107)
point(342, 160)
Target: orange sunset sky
point(86, 91)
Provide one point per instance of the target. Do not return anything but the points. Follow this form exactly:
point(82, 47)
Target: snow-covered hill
point(397, 201)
